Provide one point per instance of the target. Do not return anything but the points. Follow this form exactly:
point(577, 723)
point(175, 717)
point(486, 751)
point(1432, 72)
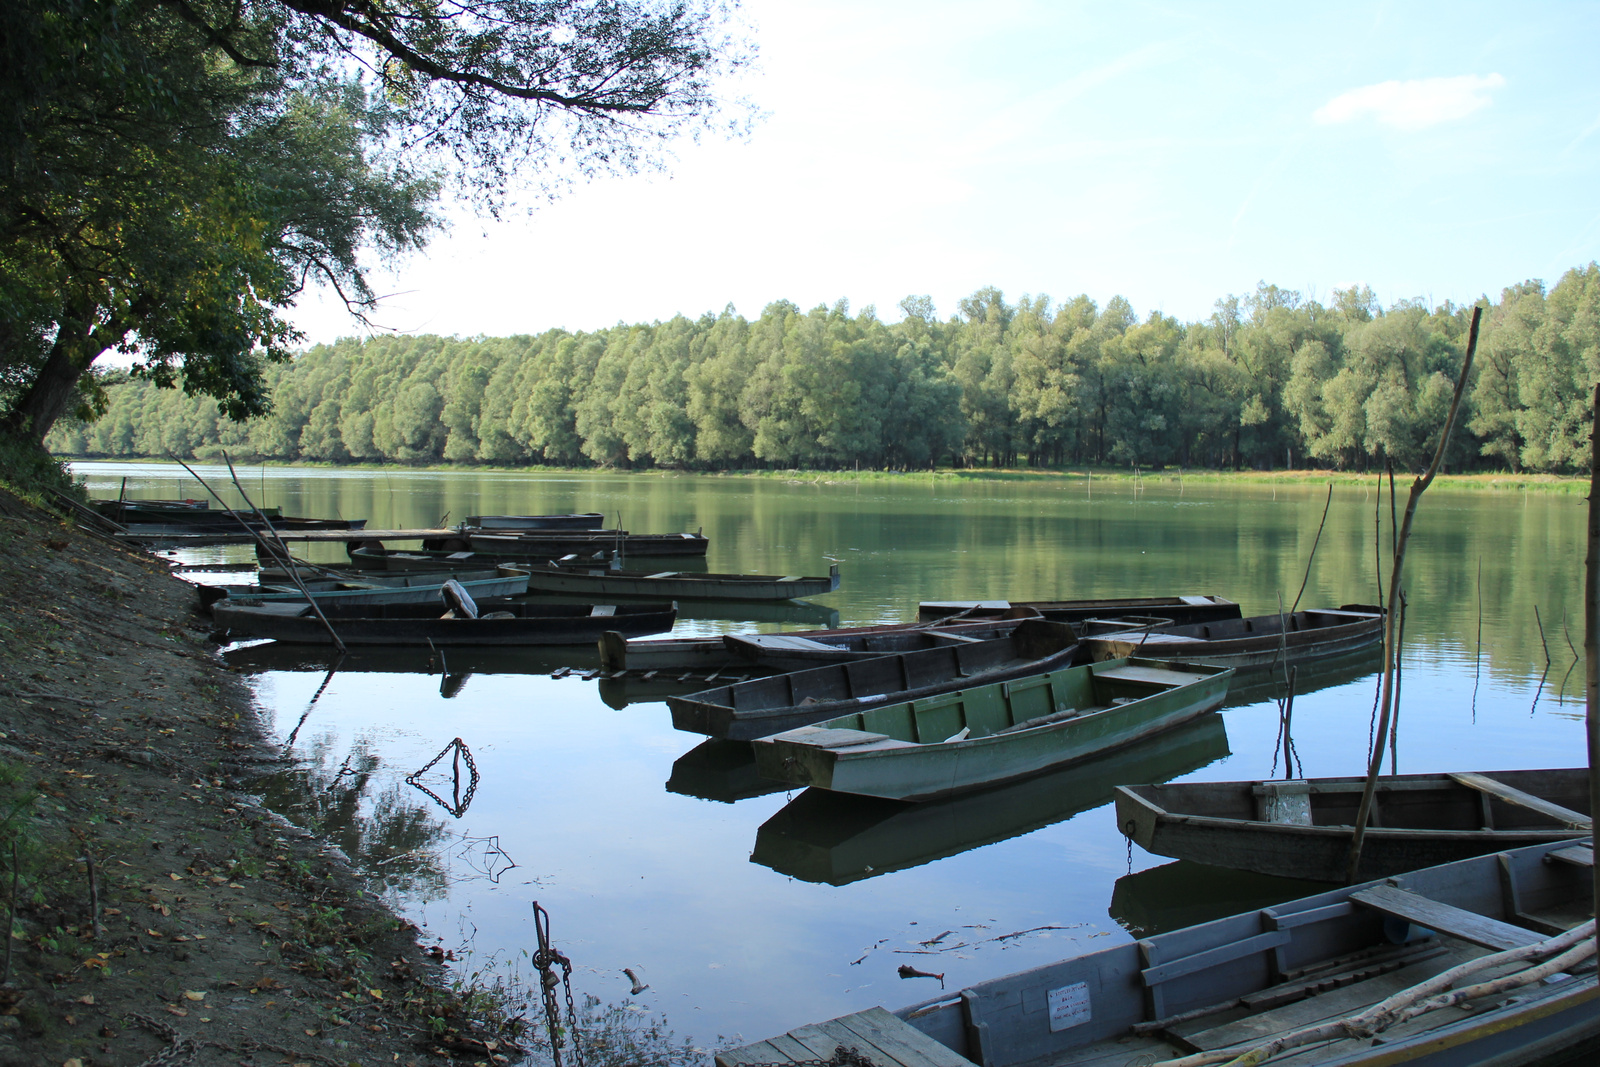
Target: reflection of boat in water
point(1256, 686)
point(459, 659)
point(838, 838)
point(1185, 893)
point(724, 771)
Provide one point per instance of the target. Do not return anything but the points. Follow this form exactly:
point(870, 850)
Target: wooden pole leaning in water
point(1591, 640)
point(293, 572)
point(1390, 624)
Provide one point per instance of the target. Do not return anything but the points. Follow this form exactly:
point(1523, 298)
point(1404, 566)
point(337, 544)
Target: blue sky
point(1169, 153)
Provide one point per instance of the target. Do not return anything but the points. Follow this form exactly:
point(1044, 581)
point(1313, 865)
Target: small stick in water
point(908, 971)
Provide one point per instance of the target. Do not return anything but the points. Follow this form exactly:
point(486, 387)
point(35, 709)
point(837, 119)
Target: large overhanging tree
point(176, 172)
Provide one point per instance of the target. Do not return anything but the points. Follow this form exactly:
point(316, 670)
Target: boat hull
point(1201, 608)
point(990, 734)
point(1424, 820)
point(404, 589)
point(399, 624)
point(1259, 642)
point(589, 520)
point(761, 706)
point(604, 584)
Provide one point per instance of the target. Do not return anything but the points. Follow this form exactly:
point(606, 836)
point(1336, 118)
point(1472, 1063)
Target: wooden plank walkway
point(875, 1033)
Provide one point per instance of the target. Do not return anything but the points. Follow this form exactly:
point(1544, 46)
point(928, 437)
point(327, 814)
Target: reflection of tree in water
point(396, 840)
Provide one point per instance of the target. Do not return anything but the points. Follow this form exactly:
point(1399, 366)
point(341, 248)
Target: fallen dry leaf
point(193, 995)
point(175, 877)
point(174, 1009)
point(88, 999)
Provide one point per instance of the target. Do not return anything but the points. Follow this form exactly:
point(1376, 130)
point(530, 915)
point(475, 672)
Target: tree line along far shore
point(1269, 379)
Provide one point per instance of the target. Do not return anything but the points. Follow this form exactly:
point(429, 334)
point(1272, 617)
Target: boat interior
point(1239, 982)
point(1491, 800)
point(1026, 703)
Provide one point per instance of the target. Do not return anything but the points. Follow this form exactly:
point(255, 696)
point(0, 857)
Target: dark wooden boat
point(603, 582)
point(838, 838)
point(589, 520)
point(548, 544)
point(789, 650)
point(989, 733)
point(374, 589)
point(1302, 829)
point(1171, 608)
point(500, 622)
point(377, 559)
point(762, 706)
point(1230, 986)
point(1257, 642)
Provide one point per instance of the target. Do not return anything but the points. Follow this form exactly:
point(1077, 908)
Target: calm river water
point(749, 912)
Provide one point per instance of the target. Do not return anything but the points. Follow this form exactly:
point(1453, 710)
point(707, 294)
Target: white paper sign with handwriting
point(1069, 1006)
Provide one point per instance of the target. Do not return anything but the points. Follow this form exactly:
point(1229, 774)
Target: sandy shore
point(157, 908)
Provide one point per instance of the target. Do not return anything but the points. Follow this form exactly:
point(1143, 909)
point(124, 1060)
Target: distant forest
point(1268, 380)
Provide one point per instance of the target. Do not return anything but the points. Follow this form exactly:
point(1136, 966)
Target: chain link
point(461, 802)
point(546, 959)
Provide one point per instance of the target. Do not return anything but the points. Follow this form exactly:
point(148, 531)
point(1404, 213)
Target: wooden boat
point(1236, 983)
point(376, 589)
point(589, 520)
point(739, 653)
point(603, 582)
point(374, 558)
point(988, 734)
point(837, 838)
point(500, 622)
point(548, 544)
point(1170, 608)
point(1301, 829)
point(760, 706)
point(1260, 641)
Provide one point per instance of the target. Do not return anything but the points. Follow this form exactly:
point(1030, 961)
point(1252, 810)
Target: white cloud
point(1412, 105)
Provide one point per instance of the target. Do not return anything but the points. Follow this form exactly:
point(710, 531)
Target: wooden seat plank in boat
point(1139, 672)
point(1510, 795)
point(1577, 855)
point(1444, 918)
point(875, 1033)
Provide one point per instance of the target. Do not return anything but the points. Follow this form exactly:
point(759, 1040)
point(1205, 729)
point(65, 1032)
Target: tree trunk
point(79, 342)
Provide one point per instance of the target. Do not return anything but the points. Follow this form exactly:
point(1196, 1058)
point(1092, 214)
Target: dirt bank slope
point(224, 936)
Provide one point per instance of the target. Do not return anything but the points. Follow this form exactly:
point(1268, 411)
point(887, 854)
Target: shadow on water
point(838, 839)
point(1185, 893)
point(719, 770)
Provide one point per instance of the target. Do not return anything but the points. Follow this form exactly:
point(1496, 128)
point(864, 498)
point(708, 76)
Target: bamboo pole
point(1591, 639)
point(1390, 619)
point(294, 575)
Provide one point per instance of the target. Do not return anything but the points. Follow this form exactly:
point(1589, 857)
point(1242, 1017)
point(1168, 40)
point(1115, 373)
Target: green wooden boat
point(988, 734)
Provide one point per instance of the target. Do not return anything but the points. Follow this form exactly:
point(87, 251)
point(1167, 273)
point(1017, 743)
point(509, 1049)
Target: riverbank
point(1493, 481)
point(158, 909)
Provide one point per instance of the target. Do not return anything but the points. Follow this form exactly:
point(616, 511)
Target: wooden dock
point(876, 1034)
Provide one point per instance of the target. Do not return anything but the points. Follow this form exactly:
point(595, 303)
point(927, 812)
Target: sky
point(1170, 153)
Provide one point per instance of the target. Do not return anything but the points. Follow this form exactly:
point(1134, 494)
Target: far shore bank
point(1496, 481)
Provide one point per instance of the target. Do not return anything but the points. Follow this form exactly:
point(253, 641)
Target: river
point(747, 914)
